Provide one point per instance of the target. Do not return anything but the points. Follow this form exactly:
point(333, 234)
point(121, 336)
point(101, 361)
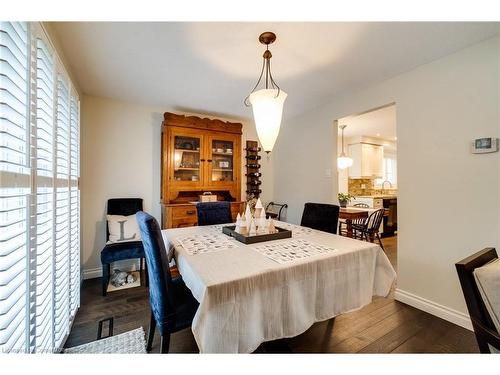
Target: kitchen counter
point(378, 196)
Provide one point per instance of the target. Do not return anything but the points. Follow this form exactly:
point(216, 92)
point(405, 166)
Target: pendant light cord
point(342, 141)
point(342, 127)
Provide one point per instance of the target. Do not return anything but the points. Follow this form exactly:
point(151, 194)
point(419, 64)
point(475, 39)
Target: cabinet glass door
point(187, 158)
point(222, 152)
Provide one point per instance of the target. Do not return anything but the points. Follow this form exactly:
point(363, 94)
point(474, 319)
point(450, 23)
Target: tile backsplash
point(366, 186)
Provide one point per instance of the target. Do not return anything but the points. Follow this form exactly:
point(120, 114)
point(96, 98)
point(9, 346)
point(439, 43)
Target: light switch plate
point(328, 173)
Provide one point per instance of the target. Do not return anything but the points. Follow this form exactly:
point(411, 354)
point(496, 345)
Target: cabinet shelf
point(222, 170)
point(187, 150)
point(187, 169)
point(222, 153)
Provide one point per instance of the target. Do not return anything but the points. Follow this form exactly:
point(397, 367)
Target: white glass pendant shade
point(267, 106)
point(344, 162)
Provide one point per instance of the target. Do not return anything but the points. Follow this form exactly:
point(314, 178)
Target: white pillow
point(123, 228)
point(488, 282)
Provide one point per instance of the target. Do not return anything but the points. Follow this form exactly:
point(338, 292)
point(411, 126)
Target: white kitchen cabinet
point(368, 160)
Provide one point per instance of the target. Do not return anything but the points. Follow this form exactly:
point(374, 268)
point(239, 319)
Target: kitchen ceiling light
point(343, 161)
point(267, 103)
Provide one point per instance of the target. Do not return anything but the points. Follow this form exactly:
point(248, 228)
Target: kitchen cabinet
point(368, 160)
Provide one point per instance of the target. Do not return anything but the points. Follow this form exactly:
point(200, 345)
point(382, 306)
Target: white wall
point(449, 199)
point(305, 168)
point(120, 157)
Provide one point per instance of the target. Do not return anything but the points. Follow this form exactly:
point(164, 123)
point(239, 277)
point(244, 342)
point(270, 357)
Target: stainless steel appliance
point(391, 220)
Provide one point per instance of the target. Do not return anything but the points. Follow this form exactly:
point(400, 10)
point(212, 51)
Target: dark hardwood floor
point(384, 326)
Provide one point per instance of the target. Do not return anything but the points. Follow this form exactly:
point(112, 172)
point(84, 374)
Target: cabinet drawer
point(184, 222)
point(184, 212)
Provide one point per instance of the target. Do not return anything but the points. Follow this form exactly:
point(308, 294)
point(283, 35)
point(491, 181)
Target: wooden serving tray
point(247, 240)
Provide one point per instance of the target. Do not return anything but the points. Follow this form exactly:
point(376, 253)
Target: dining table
point(250, 294)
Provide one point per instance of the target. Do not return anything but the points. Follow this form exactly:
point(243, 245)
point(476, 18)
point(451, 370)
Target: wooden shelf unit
point(190, 165)
point(252, 151)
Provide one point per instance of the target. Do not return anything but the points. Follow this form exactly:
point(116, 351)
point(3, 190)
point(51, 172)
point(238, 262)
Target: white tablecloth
point(246, 298)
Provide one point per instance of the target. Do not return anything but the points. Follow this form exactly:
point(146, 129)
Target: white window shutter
point(74, 212)
point(44, 196)
point(39, 195)
point(62, 246)
point(14, 185)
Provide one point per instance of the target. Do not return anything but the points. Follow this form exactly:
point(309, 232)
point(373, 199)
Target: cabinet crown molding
point(172, 119)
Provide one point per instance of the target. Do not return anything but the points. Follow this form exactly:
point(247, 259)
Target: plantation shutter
point(39, 195)
point(14, 185)
point(44, 185)
point(62, 246)
point(74, 210)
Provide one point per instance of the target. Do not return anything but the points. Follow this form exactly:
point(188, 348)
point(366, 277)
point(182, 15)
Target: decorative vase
point(343, 204)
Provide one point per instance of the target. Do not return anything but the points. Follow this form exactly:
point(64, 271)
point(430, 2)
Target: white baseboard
point(124, 265)
point(443, 312)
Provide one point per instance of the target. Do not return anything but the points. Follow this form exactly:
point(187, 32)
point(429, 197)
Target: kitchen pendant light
point(267, 103)
point(343, 161)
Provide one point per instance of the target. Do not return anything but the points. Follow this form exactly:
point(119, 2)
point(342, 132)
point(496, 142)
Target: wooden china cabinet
point(198, 155)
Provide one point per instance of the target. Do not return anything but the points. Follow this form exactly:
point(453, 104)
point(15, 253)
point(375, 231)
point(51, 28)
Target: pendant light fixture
point(343, 161)
point(267, 103)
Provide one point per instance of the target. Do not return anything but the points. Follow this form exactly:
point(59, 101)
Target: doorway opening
point(370, 179)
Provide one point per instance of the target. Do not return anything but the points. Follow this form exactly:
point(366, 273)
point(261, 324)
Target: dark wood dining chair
point(274, 210)
point(172, 304)
point(342, 223)
point(211, 213)
point(321, 216)
point(368, 229)
point(486, 334)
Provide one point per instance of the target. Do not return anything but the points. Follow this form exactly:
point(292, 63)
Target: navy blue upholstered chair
point(211, 213)
point(123, 250)
point(172, 304)
point(321, 216)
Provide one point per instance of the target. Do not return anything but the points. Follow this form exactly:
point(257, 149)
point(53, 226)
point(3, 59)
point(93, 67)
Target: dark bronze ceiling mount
point(266, 38)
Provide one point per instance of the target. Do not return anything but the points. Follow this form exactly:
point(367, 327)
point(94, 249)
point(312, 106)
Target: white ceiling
point(210, 67)
point(380, 123)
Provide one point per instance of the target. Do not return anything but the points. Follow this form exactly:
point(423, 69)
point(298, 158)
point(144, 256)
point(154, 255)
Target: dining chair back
point(122, 206)
point(487, 336)
point(367, 229)
point(211, 213)
point(321, 216)
point(272, 207)
point(172, 304)
point(374, 220)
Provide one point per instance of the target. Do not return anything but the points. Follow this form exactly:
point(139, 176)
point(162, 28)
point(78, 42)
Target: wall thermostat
point(484, 145)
